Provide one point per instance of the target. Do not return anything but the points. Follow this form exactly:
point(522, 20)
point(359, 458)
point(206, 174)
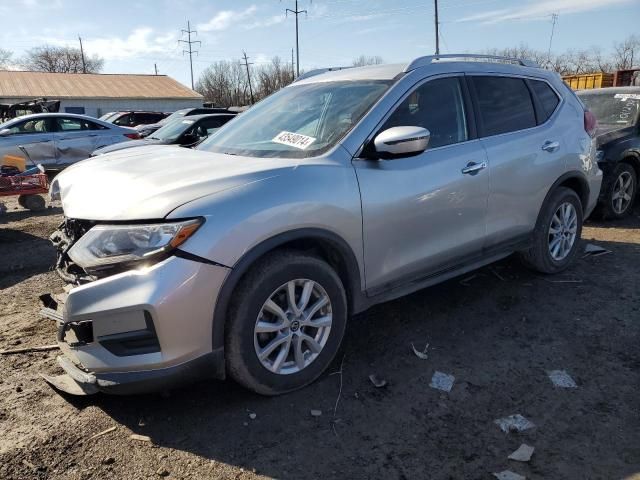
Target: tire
point(270, 278)
point(21, 199)
point(540, 256)
point(35, 203)
point(611, 205)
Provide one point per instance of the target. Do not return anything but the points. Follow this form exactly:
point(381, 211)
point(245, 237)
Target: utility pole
point(435, 4)
point(293, 72)
point(554, 19)
point(84, 65)
point(246, 64)
point(296, 12)
point(191, 51)
point(155, 66)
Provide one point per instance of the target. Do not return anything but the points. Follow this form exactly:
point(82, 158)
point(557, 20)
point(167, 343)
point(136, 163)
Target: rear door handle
point(549, 146)
point(473, 168)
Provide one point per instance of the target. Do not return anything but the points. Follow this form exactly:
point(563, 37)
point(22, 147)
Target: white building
point(97, 94)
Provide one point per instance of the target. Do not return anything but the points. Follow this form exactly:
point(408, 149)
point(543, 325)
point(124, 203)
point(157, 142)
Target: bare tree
point(60, 60)
point(626, 54)
point(363, 60)
point(5, 58)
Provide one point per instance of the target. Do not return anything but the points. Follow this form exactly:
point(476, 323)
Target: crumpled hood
point(150, 182)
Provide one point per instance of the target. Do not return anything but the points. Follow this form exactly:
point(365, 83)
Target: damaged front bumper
point(138, 331)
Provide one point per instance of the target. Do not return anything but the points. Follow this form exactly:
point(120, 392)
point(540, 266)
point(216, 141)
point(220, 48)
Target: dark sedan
point(147, 130)
point(186, 132)
point(618, 113)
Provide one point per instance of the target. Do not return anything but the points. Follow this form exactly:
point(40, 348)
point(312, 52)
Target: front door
point(75, 139)
point(422, 214)
point(35, 136)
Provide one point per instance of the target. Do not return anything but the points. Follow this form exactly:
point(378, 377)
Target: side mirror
point(5, 133)
point(401, 141)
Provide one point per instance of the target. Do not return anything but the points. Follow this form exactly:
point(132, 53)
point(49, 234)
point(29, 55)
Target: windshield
point(619, 109)
point(174, 116)
point(170, 132)
point(299, 121)
point(106, 116)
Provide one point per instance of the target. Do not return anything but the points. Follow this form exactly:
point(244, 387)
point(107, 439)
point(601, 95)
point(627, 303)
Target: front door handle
point(473, 168)
point(550, 146)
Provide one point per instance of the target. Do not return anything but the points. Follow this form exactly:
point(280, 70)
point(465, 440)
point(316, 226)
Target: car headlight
point(106, 245)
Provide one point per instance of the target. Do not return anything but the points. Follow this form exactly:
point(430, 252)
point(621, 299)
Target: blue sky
point(134, 35)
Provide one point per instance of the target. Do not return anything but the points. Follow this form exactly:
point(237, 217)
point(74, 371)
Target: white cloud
point(227, 18)
point(141, 41)
point(540, 9)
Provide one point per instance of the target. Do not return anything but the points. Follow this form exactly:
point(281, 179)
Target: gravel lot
point(498, 333)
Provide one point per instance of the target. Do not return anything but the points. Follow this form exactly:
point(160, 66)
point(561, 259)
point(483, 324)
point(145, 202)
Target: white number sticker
point(296, 140)
point(625, 96)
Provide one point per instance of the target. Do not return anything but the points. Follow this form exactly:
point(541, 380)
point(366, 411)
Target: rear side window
point(505, 104)
point(438, 106)
point(547, 98)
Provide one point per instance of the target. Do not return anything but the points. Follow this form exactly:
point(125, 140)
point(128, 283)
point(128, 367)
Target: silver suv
point(246, 256)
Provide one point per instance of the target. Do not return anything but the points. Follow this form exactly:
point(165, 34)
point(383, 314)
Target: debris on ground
point(465, 281)
point(421, 354)
point(442, 381)
point(252, 416)
point(509, 475)
point(565, 280)
point(591, 250)
point(522, 454)
point(514, 423)
point(562, 379)
point(104, 432)
point(162, 472)
point(497, 275)
point(44, 348)
point(140, 438)
point(316, 413)
point(108, 461)
point(377, 381)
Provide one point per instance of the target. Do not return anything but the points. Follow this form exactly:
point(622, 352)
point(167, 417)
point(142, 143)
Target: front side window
point(438, 106)
point(505, 104)
point(299, 121)
point(38, 125)
point(547, 98)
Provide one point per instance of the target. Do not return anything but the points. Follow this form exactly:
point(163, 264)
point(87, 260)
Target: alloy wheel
point(622, 193)
point(562, 231)
point(293, 326)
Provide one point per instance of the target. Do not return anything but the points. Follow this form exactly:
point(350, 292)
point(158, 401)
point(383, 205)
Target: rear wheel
point(557, 233)
point(618, 191)
point(286, 323)
point(35, 203)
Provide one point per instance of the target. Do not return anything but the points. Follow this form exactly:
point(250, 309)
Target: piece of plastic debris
point(497, 275)
point(509, 475)
point(377, 381)
point(141, 438)
point(421, 354)
point(567, 280)
point(561, 379)
point(514, 423)
point(44, 348)
point(591, 250)
point(465, 281)
point(316, 413)
point(442, 381)
point(252, 416)
point(522, 454)
point(104, 432)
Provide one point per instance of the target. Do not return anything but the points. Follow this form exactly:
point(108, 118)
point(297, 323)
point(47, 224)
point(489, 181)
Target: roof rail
point(429, 59)
point(318, 71)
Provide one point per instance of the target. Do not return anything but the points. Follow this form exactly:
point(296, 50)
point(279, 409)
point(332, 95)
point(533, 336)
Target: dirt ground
point(498, 333)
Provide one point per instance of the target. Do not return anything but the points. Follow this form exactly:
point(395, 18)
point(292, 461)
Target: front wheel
point(286, 323)
point(557, 233)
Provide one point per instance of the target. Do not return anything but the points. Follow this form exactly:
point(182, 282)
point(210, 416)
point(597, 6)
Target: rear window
point(548, 98)
point(505, 104)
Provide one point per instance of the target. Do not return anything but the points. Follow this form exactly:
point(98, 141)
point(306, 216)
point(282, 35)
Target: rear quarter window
point(504, 104)
point(547, 97)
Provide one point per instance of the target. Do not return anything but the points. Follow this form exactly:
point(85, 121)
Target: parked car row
point(245, 256)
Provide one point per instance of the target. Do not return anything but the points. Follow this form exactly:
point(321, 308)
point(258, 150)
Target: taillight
point(136, 136)
point(590, 123)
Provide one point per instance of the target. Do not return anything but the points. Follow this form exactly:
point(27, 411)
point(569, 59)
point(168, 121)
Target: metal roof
point(14, 84)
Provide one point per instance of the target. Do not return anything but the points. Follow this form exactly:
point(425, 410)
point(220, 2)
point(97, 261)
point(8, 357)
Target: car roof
point(596, 91)
point(206, 115)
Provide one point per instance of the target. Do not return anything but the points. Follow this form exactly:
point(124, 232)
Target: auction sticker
point(624, 96)
point(295, 140)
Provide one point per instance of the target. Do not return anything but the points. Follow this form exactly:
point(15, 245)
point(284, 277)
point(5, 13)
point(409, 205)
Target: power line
point(296, 12)
point(246, 64)
point(190, 42)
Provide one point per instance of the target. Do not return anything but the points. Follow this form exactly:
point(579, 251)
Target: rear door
point(76, 138)
point(424, 214)
point(525, 150)
point(37, 138)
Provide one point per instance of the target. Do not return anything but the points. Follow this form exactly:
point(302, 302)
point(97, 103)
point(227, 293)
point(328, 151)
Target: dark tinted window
point(438, 106)
point(547, 98)
point(123, 121)
point(505, 104)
